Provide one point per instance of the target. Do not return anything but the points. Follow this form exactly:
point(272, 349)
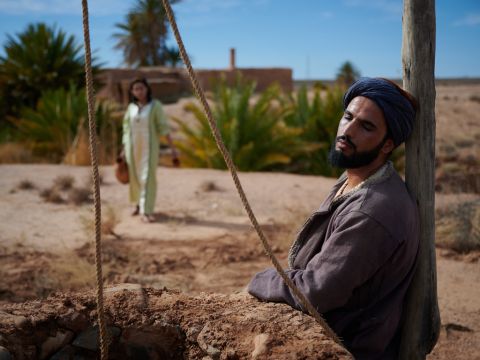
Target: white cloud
point(468, 20)
point(96, 7)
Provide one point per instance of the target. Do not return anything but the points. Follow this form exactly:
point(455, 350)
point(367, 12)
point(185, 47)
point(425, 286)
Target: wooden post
point(421, 318)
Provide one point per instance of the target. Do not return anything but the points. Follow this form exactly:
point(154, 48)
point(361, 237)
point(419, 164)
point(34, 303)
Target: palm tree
point(40, 58)
point(143, 34)
point(254, 134)
point(347, 74)
point(317, 114)
point(172, 56)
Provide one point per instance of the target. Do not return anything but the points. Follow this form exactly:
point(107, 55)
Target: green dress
point(144, 192)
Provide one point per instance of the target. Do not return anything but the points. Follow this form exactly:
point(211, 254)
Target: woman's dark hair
point(139, 81)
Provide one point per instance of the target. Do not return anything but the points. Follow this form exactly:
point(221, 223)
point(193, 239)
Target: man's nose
point(349, 128)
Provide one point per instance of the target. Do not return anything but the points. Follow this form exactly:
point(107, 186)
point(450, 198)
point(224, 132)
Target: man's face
point(361, 136)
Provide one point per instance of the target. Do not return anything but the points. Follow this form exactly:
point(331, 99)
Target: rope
point(228, 160)
point(96, 182)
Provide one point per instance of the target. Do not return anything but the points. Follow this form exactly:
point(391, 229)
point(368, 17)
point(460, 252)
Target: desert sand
point(202, 241)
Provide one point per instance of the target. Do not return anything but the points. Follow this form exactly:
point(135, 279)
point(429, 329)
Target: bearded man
point(355, 256)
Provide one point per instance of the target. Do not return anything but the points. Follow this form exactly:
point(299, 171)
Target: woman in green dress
point(143, 123)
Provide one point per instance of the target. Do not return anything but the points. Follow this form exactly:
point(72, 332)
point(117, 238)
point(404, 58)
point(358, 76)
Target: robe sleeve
point(126, 127)
point(161, 122)
point(355, 250)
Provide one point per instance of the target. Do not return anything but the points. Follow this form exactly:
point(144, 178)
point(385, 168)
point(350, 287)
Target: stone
point(22, 322)
point(75, 321)
point(139, 293)
point(66, 353)
point(53, 343)
point(158, 341)
point(5, 354)
point(260, 343)
point(204, 343)
point(88, 339)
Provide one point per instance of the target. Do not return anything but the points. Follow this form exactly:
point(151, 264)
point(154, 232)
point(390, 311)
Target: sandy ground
point(201, 240)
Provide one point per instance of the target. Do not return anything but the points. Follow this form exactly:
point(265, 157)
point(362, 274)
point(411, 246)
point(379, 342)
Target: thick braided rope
point(96, 187)
point(221, 146)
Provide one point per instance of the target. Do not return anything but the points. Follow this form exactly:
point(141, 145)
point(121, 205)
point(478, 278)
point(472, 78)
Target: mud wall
point(169, 84)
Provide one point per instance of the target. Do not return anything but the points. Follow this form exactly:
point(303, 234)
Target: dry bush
point(465, 142)
point(110, 219)
point(12, 153)
point(79, 196)
point(26, 184)
point(89, 179)
point(64, 182)
point(208, 186)
point(52, 195)
point(458, 226)
point(475, 98)
point(70, 272)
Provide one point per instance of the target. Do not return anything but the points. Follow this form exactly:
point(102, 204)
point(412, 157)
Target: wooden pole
point(421, 324)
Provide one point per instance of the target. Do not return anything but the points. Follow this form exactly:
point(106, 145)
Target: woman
point(143, 123)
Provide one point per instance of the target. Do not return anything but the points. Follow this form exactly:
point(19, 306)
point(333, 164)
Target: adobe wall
point(169, 84)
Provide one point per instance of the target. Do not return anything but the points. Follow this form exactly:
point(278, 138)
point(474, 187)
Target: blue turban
point(398, 110)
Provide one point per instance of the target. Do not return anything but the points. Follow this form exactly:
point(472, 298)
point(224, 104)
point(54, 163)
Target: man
point(354, 257)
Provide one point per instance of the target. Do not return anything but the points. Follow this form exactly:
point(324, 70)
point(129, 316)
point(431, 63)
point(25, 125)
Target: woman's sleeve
point(161, 122)
point(125, 126)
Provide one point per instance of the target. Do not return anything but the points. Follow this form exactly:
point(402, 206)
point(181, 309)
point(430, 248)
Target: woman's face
point(139, 90)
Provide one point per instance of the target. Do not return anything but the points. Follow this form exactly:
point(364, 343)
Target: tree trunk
point(421, 321)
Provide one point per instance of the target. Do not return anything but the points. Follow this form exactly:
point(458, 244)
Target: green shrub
point(318, 117)
point(254, 133)
point(55, 127)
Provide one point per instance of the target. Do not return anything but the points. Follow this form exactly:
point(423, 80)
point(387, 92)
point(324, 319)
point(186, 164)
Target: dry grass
point(70, 272)
point(12, 153)
point(475, 98)
point(89, 179)
point(110, 219)
point(458, 226)
point(79, 196)
point(64, 182)
point(26, 184)
point(52, 195)
point(208, 186)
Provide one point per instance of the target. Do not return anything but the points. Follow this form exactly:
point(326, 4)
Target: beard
point(337, 159)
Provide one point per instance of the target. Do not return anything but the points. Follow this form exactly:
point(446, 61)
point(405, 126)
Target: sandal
point(147, 218)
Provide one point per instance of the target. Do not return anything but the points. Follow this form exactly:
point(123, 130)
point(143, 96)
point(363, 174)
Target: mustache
point(347, 140)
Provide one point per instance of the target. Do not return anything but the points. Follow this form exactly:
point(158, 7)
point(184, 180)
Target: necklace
point(342, 188)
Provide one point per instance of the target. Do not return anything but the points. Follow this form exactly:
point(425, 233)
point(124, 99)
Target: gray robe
point(354, 260)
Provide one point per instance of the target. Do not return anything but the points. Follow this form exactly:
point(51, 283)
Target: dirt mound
point(154, 324)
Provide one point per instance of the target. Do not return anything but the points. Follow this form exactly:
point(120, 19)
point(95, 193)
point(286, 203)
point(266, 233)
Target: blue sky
point(313, 37)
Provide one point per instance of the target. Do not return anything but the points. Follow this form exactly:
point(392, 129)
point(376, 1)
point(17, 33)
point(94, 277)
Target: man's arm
point(357, 248)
